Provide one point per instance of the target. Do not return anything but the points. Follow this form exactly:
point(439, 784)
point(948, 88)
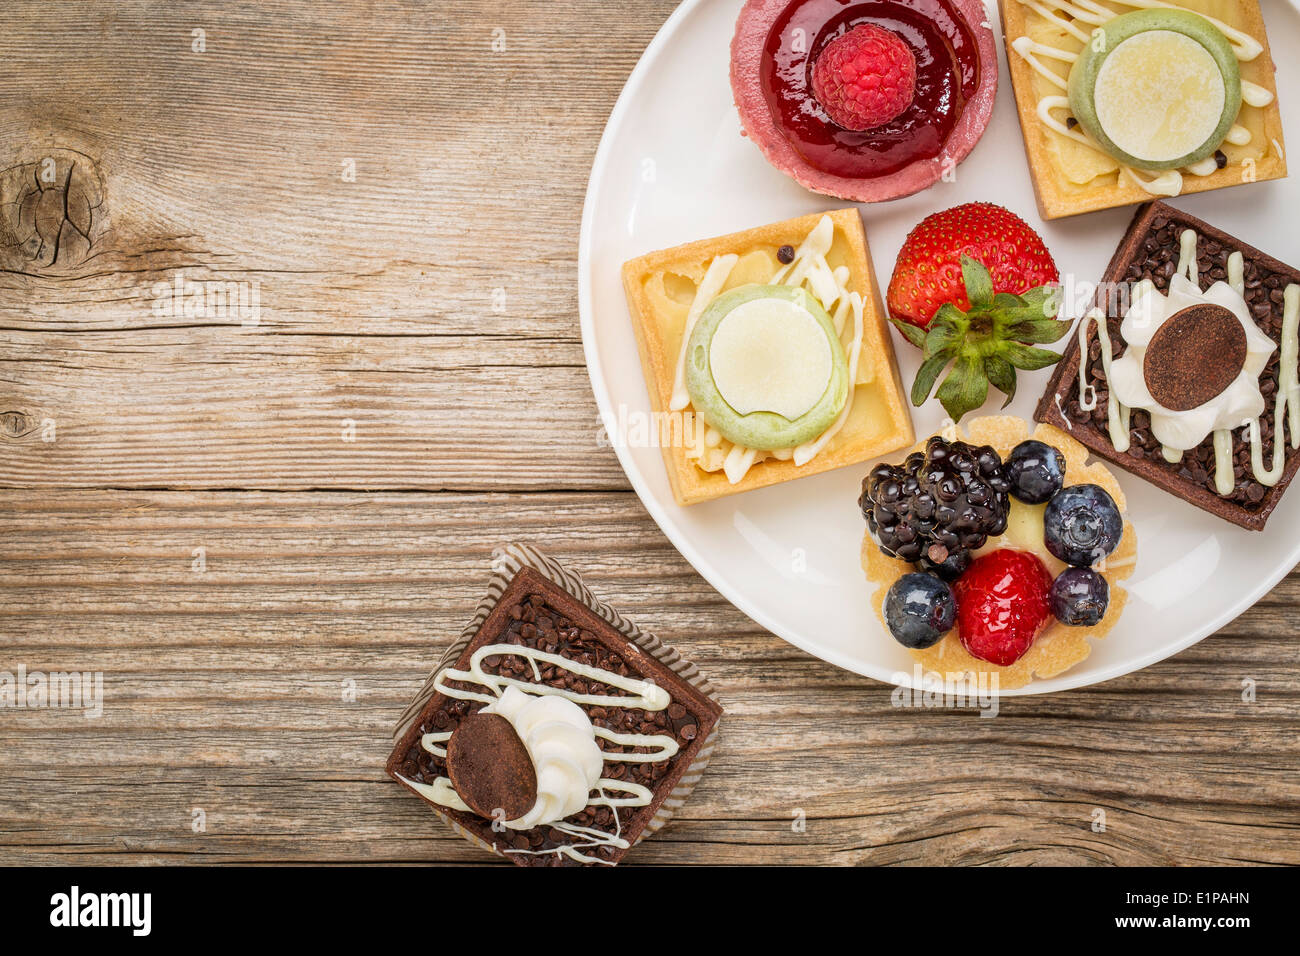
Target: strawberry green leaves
point(986, 345)
point(965, 388)
point(979, 284)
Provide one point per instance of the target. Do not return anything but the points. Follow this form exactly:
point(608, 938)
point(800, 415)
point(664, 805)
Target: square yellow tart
point(1045, 37)
point(668, 290)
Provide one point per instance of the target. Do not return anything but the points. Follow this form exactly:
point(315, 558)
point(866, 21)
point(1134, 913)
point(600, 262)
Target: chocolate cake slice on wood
point(554, 738)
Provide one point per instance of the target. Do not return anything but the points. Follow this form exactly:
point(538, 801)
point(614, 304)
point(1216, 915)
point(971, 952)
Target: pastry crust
point(1058, 198)
point(1058, 647)
point(659, 333)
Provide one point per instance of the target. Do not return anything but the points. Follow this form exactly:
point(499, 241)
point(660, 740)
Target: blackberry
point(938, 503)
point(951, 569)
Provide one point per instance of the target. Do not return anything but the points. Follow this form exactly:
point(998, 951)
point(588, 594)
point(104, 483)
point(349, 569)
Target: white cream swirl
point(1240, 402)
point(561, 741)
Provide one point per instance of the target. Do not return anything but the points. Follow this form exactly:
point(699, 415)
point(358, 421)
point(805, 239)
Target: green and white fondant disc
point(1157, 89)
point(765, 368)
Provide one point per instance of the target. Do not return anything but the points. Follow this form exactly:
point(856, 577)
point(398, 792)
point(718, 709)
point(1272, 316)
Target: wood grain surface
point(262, 528)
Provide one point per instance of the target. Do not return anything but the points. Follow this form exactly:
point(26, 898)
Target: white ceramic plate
point(672, 167)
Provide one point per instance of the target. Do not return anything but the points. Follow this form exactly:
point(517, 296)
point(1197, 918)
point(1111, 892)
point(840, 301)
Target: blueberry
point(1080, 597)
point(1082, 525)
point(920, 609)
point(953, 565)
point(1036, 472)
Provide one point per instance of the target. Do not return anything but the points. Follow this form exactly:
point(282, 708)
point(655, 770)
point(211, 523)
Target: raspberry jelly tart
point(867, 101)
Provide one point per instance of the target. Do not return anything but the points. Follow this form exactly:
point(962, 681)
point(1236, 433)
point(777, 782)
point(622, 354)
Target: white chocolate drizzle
point(810, 270)
point(646, 695)
point(1187, 263)
point(1157, 183)
point(440, 792)
point(1225, 479)
point(714, 279)
point(641, 695)
point(1286, 409)
point(1117, 414)
point(1288, 397)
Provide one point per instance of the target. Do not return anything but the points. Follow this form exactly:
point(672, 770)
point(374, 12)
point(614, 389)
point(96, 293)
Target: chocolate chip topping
point(785, 255)
point(1194, 356)
point(490, 768)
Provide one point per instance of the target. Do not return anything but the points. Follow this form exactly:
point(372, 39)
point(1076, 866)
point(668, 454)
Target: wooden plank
point(397, 189)
point(223, 690)
point(429, 300)
point(454, 413)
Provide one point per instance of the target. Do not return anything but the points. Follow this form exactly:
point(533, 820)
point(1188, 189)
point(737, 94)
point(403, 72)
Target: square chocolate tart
point(536, 613)
point(1150, 250)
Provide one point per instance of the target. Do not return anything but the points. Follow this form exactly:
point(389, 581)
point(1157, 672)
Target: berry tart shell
point(1058, 647)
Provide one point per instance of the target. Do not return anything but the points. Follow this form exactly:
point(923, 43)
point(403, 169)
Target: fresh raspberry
point(1002, 605)
point(865, 78)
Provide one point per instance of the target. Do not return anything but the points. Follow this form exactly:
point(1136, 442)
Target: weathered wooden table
point(261, 518)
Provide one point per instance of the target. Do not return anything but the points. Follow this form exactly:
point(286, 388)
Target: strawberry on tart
point(976, 290)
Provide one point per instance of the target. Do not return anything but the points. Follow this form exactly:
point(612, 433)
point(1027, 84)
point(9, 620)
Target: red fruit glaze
point(865, 78)
point(928, 271)
point(1002, 605)
point(773, 52)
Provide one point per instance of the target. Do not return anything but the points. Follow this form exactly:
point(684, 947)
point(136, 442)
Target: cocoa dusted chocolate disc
point(1194, 356)
point(490, 767)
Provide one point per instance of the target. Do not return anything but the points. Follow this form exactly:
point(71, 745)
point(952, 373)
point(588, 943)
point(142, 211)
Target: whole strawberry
point(974, 287)
point(865, 78)
point(928, 272)
point(1003, 603)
